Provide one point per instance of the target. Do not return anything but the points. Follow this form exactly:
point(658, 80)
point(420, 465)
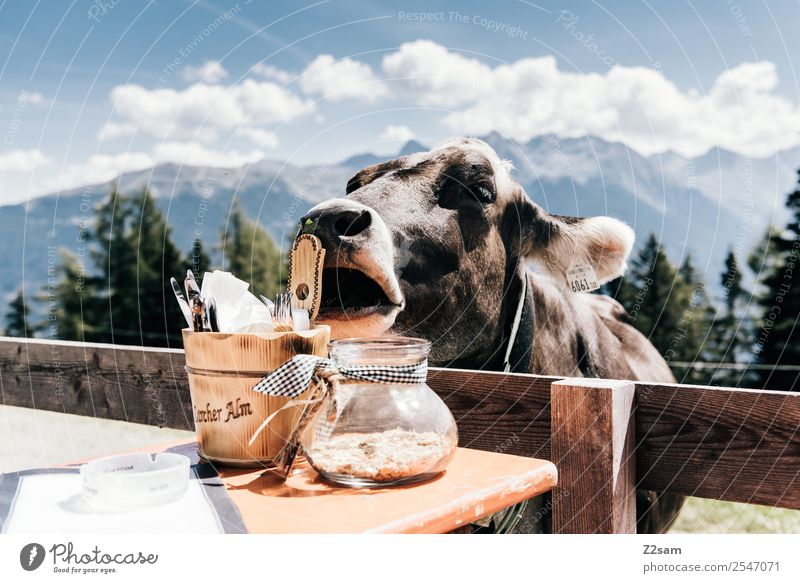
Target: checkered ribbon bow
point(293, 376)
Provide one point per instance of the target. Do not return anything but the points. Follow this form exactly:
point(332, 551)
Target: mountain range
point(702, 206)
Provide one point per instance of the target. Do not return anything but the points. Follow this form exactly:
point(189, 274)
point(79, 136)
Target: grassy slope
point(712, 516)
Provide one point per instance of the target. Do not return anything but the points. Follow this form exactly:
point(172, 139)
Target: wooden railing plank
point(138, 385)
point(496, 411)
point(593, 449)
point(739, 445)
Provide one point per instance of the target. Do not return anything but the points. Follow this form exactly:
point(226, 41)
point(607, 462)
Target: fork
point(283, 311)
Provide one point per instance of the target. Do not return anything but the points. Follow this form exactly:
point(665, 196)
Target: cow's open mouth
point(352, 293)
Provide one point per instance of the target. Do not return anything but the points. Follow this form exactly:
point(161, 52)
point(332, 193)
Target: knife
point(187, 312)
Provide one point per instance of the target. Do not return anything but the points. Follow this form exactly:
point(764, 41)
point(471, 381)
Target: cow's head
point(430, 245)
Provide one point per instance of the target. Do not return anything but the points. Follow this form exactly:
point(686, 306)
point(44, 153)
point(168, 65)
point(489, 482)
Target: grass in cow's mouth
point(344, 288)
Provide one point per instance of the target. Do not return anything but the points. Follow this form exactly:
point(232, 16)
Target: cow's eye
point(468, 187)
point(484, 193)
point(476, 196)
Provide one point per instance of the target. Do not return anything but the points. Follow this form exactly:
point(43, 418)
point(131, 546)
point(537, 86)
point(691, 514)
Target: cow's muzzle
point(360, 291)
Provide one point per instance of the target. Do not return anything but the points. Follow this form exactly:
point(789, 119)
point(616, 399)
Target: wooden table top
point(475, 484)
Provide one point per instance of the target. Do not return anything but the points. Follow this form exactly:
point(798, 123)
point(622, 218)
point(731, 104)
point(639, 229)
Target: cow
point(438, 245)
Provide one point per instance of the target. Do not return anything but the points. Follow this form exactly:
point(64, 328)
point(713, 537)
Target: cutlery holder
point(222, 370)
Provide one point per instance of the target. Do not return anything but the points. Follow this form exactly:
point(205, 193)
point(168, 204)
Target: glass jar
point(375, 434)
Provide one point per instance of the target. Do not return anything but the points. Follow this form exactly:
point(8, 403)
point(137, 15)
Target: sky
point(89, 89)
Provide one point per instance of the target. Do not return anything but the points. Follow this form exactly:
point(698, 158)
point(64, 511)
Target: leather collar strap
point(521, 339)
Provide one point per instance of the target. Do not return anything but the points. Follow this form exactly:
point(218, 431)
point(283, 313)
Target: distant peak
point(719, 153)
point(362, 160)
point(494, 136)
point(412, 147)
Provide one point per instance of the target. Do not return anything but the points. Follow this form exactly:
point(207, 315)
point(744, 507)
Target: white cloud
point(264, 138)
point(634, 105)
point(194, 154)
point(23, 160)
point(30, 97)
point(112, 130)
point(342, 79)
point(208, 72)
point(101, 168)
point(97, 169)
point(202, 111)
point(272, 73)
point(269, 103)
point(436, 76)
point(397, 133)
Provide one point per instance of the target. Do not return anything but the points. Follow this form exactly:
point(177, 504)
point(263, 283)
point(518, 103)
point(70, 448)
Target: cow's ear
point(559, 243)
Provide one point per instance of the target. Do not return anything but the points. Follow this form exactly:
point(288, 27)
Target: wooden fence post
point(593, 447)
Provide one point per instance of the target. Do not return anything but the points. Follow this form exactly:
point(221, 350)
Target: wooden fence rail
point(606, 437)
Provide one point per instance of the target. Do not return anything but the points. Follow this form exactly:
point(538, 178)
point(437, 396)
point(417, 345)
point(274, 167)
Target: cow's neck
point(512, 349)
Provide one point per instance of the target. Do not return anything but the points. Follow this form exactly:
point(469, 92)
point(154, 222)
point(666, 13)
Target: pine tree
point(765, 257)
point(731, 280)
point(668, 305)
point(158, 315)
point(645, 292)
point(74, 302)
point(128, 299)
point(251, 255)
point(699, 316)
point(113, 317)
point(777, 336)
point(728, 326)
point(18, 317)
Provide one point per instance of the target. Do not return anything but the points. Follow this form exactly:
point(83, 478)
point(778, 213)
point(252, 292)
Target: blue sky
point(88, 89)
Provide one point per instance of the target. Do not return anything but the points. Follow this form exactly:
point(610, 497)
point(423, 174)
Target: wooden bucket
point(223, 368)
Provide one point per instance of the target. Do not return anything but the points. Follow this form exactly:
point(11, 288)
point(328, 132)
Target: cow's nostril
point(351, 224)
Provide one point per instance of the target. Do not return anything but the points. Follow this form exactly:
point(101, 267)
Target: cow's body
point(436, 245)
point(587, 335)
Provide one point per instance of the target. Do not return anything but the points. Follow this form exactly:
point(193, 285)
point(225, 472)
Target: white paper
point(53, 503)
point(300, 319)
point(237, 309)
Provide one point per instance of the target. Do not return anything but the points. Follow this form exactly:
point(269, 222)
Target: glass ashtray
point(135, 480)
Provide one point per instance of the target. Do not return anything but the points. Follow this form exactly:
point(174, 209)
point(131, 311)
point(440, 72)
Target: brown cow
point(436, 245)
